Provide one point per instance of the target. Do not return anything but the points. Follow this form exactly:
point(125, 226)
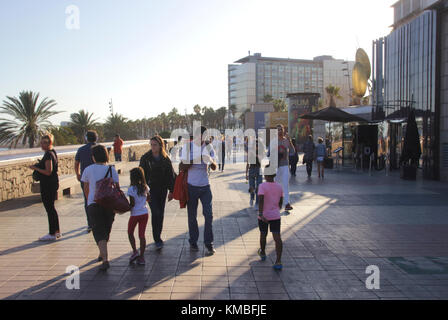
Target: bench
point(68, 184)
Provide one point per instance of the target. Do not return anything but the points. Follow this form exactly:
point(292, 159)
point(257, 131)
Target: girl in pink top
point(270, 196)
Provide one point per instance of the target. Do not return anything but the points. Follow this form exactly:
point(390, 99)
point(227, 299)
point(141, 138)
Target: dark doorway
point(367, 143)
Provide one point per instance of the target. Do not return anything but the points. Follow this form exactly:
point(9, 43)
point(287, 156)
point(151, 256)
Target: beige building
point(251, 78)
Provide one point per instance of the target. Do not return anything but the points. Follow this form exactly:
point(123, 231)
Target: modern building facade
point(254, 77)
point(410, 71)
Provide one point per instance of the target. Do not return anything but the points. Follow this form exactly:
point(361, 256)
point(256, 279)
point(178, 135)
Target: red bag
point(109, 196)
point(181, 189)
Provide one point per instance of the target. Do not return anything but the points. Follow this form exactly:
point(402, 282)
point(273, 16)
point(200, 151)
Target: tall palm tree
point(116, 124)
point(333, 92)
point(81, 122)
point(29, 118)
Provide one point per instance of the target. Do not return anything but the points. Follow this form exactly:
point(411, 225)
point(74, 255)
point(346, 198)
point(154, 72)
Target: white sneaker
point(48, 237)
point(58, 236)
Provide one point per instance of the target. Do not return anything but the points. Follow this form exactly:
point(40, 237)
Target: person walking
point(282, 177)
point(308, 157)
point(253, 175)
point(321, 153)
point(293, 158)
point(83, 159)
point(196, 163)
point(160, 177)
point(138, 194)
point(222, 155)
point(101, 218)
point(271, 201)
point(118, 148)
point(49, 185)
point(229, 144)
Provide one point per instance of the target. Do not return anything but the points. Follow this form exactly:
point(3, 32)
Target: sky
point(149, 56)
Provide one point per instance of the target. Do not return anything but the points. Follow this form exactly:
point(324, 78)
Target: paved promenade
point(338, 228)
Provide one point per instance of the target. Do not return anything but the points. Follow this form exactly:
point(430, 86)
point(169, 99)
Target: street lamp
point(111, 107)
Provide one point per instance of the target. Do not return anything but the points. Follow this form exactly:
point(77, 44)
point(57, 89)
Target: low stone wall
point(16, 177)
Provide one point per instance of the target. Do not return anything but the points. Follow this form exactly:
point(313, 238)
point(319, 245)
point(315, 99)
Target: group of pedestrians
point(152, 184)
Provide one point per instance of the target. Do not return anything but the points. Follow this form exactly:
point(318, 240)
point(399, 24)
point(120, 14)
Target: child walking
point(138, 194)
point(270, 197)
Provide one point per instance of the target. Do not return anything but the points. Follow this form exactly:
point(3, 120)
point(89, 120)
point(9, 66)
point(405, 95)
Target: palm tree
point(243, 116)
point(333, 92)
point(268, 98)
point(233, 109)
point(81, 122)
point(116, 124)
point(280, 105)
point(30, 119)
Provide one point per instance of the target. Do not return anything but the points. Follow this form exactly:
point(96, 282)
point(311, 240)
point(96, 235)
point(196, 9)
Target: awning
point(333, 114)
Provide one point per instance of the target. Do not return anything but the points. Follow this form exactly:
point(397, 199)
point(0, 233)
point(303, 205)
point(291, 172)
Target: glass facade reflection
point(404, 78)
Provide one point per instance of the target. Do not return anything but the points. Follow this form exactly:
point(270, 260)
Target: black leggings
point(48, 195)
point(157, 205)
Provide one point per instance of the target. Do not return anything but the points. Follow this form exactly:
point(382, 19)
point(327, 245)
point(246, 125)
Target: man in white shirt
point(196, 162)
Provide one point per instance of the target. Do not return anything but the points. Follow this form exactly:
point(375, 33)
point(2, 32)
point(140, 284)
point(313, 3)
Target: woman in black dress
point(49, 185)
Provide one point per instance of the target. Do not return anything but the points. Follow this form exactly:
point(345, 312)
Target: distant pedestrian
point(83, 159)
point(222, 155)
point(293, 158)
point(283, 175)
point(138, 193)
point(100, 217)
point(160, 177)
point(196, 164)
point(308, 157)
point(321, 153)
point(229, 144)
point(270, 196)
point(49, 185)
point(253, 174)
point(118, 148)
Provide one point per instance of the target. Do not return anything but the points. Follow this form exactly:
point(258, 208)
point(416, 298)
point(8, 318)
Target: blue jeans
point(205, 195)
point(255, 179)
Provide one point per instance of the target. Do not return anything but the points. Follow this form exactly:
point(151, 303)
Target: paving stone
point(400, 227)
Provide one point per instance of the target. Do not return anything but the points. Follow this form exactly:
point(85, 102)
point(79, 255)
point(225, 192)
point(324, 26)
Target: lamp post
point(111, 107)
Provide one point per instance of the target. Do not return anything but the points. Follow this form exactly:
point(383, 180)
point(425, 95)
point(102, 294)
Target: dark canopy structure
point(334, 115)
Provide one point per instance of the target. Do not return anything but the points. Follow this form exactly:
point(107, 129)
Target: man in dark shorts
point(270, 196)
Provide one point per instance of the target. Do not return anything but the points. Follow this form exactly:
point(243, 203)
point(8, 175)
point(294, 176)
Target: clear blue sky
point(151, 55)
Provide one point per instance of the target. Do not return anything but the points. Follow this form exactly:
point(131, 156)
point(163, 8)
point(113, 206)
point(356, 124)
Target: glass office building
point(404, 78)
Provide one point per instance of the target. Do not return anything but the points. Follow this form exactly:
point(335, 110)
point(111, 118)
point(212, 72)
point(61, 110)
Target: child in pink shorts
point(270, 196)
